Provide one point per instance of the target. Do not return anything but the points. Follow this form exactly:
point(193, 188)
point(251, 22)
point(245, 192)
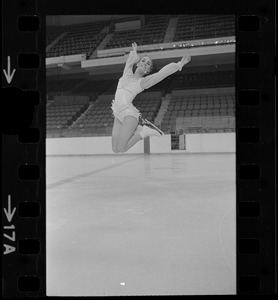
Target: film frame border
point(25, 270)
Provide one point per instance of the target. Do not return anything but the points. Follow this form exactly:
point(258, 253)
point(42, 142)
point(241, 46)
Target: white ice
point(141, 225)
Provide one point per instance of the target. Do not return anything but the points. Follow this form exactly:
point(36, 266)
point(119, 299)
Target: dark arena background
point(86, 56)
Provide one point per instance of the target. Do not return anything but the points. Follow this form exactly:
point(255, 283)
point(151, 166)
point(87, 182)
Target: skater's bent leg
point(132, 141)
point(116, 131)
point(127, 136)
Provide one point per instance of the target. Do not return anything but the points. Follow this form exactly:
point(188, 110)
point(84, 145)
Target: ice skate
point(147, 131)
point(151, 125)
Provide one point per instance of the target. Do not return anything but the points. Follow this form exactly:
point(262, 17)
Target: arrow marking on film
point(8, 75)
point(9, 213)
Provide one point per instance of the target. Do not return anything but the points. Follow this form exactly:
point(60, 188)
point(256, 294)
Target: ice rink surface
point(141, 225)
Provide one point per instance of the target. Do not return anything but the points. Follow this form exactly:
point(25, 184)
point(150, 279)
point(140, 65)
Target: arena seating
point(99, 115)
point(202, 80)
point(211, 112)
point(52, 33)
point(200, 113)
point(151, 33)
point(58, 87)
point(62, 116)
point(191, 27)
point(99, 87)
point(85, 38)
point(148, 104)
point(185, 114)
point(80, 38)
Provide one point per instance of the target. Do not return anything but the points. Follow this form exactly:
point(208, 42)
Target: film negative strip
point(23, 213)
point(24, 242)
point(253, 134)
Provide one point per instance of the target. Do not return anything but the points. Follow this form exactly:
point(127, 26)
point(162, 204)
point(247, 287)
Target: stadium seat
point(216, 112)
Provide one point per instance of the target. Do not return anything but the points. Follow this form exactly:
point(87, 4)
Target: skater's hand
point(186, 59)
point(134, 47)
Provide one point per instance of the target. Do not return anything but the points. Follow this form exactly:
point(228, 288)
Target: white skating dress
point(129, 86)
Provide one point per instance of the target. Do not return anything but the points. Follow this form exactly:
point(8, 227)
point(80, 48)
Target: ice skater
point(126, 129)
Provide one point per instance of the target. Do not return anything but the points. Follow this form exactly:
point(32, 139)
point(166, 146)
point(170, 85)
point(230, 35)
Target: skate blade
point(152, 125)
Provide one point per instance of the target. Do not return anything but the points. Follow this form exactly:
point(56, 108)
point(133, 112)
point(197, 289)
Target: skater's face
point(145, 65)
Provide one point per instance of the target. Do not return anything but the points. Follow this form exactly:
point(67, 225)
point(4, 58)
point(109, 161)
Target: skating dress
point(129, 86)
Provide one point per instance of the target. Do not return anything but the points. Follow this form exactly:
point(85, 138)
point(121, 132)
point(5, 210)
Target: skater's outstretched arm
point(131, 60)
point(167, 70)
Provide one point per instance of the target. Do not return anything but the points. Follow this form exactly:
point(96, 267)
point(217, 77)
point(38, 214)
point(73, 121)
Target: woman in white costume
point(126, 131)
